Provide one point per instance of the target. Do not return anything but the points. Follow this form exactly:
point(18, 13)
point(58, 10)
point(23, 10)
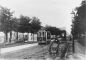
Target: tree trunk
point(23, 35)
point(33, 36)
point(17, 37)
point(23, 38)
point(28, 36)
point(6, 37)
point(10, 37)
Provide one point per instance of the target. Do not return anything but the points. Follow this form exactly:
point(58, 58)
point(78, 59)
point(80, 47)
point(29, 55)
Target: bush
point(82, 41)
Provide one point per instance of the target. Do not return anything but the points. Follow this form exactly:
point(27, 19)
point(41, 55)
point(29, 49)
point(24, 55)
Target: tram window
point(48, 35)
point(43, 34)
point(39, 34)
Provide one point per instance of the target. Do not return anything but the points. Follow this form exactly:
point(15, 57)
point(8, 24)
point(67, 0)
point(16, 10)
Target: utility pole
point(73, 43)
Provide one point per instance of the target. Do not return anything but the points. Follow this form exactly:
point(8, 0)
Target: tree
point(15, 26)
point(24, 24)
point(5, 20)
point(53, 30)
point(35, 25)
point(79, 22)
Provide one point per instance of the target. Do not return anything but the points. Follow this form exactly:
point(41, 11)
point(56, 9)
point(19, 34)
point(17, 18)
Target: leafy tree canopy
point(79, 19)
point(5, 19)
point(53, 30)
point(35, 24)
point(24, 24)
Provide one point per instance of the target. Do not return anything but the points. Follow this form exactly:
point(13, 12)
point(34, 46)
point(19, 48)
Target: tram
point(43, 37)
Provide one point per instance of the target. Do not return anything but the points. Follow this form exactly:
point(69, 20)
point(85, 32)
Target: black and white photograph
point(42, 29)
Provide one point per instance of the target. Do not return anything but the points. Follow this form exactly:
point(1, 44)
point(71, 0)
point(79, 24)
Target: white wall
point(14, 35)
point(31, 37)
point(2, 35)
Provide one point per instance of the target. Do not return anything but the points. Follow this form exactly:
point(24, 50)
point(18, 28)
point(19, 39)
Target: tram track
point(39, 54)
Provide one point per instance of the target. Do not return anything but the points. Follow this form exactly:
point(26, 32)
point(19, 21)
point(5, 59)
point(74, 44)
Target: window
point(48, 35)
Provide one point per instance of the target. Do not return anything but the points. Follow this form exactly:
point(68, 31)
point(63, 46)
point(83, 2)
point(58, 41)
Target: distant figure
point(56, 40)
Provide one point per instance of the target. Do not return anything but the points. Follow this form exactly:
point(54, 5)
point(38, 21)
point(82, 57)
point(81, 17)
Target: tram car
point(43, 37)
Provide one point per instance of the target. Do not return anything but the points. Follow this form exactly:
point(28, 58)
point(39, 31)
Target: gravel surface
point(41, 53)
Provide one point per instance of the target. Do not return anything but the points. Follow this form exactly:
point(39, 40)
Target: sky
point(50, 12)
